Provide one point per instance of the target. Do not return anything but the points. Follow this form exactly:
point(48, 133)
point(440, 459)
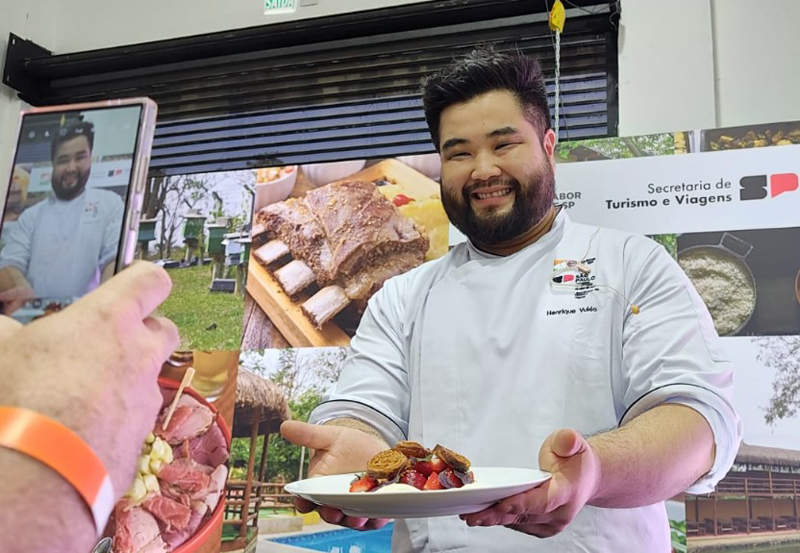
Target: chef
point(539, 342)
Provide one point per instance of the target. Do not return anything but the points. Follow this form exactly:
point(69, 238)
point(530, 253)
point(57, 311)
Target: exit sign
point(279, 6)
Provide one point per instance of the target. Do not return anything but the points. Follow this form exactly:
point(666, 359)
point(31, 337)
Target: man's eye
point(459, 155)
point(504, 144)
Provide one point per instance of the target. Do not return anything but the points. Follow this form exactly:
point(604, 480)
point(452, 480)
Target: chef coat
point(62, 246)
point(488, 355)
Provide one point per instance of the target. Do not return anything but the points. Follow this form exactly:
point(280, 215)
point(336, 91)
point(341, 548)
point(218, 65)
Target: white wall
point(757, 46)
point(33, 20)
point(119, 22)
point(690, 64)
point(666, 66)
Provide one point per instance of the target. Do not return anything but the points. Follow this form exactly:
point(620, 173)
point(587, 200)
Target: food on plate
point(180, 480)
point(724, 285)
point(410, 464)
point(271, 174)
point(681, 143)
point(387, 464)
point(411, 449)
point(420, 200)
point(777, 134)
point(451, 458)
point(350, 237)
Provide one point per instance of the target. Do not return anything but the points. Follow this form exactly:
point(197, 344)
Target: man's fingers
point(541, 500)
point(136, 291)
point(21, 294)
point(566, 443)
point(331, 515)
point(165, 335)
point(376, 523)
point(304, 505)
point(538, 530)
point(489, 517)
point(312, 436)
point(356, 523)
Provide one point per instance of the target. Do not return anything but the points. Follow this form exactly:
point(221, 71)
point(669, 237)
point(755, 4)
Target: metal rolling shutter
point(331, 98)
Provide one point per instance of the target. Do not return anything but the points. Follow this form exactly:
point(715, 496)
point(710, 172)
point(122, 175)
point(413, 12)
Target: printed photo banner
point(723, 195)
point(701, 192)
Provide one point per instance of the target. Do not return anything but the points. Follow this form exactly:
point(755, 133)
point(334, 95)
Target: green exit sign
point(279, 6)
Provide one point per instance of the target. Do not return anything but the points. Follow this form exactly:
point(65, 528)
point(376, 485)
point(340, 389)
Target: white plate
point(491, 485)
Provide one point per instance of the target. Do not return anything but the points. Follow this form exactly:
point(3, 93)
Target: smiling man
point(66, 244)
point(539, 342)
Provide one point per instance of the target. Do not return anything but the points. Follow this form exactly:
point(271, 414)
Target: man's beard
point(532, 201)
point(66, 194)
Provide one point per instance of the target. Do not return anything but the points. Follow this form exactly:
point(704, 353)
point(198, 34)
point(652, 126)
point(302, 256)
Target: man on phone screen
point(66, 244)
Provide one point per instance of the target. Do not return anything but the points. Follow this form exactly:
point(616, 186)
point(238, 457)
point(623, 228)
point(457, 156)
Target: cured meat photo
point(180, 481)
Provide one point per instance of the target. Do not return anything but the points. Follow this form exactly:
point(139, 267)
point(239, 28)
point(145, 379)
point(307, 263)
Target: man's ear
point(549, 146)
point(549, 143)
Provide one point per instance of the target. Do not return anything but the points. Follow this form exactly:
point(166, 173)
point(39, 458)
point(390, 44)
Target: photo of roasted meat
point(346, 237)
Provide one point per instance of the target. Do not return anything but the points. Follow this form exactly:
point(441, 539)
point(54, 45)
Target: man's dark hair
point(65, 134)
point(486, 70)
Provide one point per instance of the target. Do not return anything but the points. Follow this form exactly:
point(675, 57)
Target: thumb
point(568, 442)
point(136, 291)
point(312, 436)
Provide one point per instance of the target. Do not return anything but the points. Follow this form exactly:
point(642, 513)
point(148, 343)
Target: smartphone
point(73, 202)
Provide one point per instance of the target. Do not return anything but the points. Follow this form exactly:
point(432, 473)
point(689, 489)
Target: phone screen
point(63, 222)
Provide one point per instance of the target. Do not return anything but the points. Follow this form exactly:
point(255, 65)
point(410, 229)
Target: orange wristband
point(58, 447)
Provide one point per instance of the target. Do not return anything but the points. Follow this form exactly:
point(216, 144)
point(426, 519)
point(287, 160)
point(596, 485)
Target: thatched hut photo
point(260, 409)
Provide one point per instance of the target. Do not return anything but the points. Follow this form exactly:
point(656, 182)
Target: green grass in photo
point(206, 320)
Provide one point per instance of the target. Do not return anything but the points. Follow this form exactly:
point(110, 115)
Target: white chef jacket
point(62, 246)
point(482, 354)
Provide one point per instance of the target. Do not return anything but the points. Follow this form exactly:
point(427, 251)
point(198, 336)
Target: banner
point(703, 192)
point(724, 203)
point(729, 212)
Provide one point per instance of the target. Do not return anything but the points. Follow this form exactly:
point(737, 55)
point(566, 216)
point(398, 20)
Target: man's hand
point(337, 450)
point(547, 510)
point(13, 299)
point(94, 366)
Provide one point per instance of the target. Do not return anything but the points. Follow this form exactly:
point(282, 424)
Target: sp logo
point(758, 187)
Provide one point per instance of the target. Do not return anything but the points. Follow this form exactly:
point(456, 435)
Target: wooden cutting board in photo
point(287, 315)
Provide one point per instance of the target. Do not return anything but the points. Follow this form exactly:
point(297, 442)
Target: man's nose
point(485, 168)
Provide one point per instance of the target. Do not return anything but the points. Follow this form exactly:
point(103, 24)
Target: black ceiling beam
point(18, 53)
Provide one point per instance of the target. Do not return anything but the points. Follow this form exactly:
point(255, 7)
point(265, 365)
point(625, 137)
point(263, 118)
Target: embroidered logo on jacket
point(573, 276)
